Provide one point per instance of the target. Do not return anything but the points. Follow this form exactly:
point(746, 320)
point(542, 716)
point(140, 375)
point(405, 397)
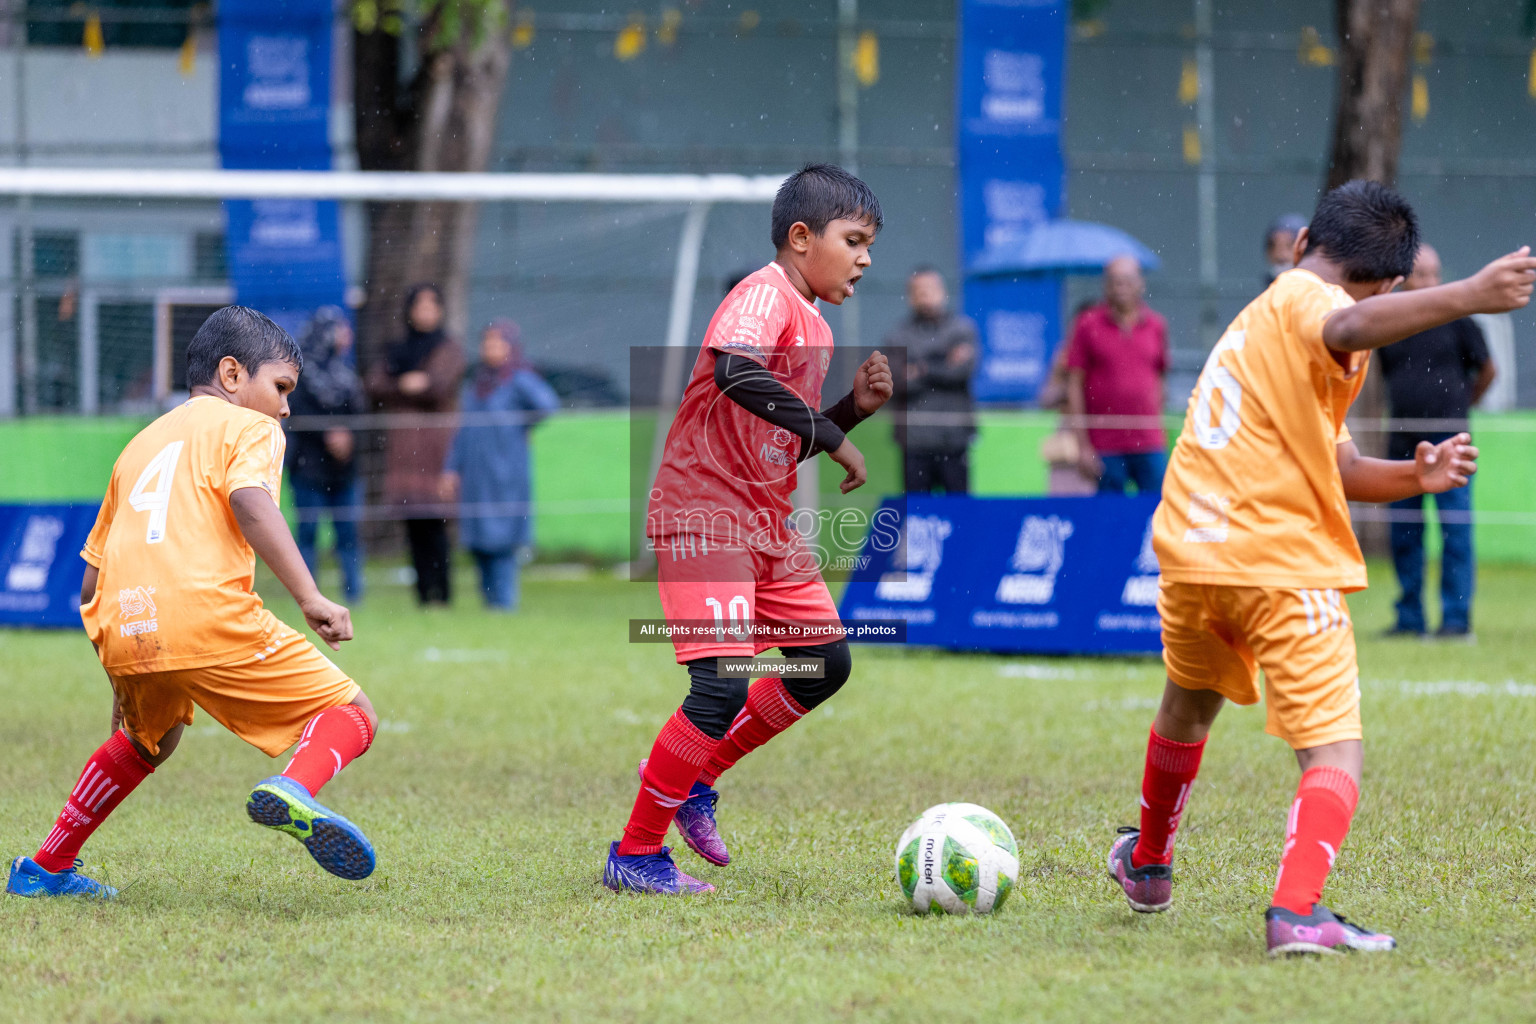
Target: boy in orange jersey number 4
point(168, 604)
point(1256, 550)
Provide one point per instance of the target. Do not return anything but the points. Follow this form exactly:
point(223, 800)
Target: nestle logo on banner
point(1015, 87)
point(285, 222)
point(1015, 347)
point(1037, 558)
point(1141, 588)
point(917, 559)
point(1013, 208)
point(39, 543)
point(278, 67)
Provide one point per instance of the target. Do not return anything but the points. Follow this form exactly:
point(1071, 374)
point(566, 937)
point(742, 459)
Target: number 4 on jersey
point(1213, 378)
point(152, 493)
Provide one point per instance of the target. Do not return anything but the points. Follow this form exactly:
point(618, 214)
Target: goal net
point(109, 273)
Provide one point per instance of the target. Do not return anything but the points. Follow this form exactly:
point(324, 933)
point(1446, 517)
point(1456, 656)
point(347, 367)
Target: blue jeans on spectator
point(1456, 563)
point(349, 552)
point(499, 572)
point(1144, 469)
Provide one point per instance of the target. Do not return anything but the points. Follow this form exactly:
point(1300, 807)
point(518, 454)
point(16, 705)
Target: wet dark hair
point(1368, 229)
point(243, 334)
point(817, 195)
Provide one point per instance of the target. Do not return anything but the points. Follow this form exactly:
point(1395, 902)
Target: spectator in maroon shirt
point(1116, 364)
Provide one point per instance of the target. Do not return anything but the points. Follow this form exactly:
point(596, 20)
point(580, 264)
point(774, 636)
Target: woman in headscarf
point(421, 374)
point(488, 466)
point(322, 468)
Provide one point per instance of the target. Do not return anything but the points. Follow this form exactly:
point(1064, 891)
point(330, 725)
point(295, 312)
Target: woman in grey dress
point(488, 466)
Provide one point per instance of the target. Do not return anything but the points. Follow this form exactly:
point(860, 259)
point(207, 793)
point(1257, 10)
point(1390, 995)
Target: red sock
point(769, 711)
point(1325, 802)
point(679, 752)
point(113, 772)
point(1165, 784)
point(331, 741)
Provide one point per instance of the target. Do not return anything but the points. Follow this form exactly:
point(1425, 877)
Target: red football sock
point(113, 772)
point(1165, 784)
point(676, 757)
point(1325, 802)
point(769, 711)
point(331, 741)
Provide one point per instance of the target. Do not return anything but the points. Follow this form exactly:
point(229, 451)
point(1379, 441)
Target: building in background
point(1149, 109)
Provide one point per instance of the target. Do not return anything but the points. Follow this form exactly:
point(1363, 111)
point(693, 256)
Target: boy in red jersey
point(719, 508)
point(1256, 551)
point(168, 604)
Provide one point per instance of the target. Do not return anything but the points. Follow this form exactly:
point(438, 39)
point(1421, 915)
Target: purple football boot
point(695, 820)
point(1321, 931)
point(649, 872)
point(1149, 889)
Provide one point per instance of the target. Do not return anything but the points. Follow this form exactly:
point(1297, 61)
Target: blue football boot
point(649, 872)
point(336, 844)
point(29, 878)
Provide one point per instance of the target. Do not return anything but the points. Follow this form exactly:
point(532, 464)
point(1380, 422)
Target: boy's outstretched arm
point(1380, 320)
point(1434, 469)
point(267, 532)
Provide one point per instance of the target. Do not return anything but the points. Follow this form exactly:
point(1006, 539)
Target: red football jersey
point(725, 473)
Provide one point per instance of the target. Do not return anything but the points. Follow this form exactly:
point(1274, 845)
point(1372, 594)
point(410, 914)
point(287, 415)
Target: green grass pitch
point(506, 761)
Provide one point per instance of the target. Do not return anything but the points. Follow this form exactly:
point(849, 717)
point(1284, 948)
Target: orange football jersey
point(1253, 496)
point(175, 588)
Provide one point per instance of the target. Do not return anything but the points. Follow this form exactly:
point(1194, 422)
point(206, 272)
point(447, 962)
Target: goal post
point(527, 223)
point(698, 192)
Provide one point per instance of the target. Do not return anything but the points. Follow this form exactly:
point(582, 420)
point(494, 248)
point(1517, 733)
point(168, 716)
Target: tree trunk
point(443, 119)
point(1375, 42)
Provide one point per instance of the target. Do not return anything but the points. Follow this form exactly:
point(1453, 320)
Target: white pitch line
point(1461, 688)
point(463, 655)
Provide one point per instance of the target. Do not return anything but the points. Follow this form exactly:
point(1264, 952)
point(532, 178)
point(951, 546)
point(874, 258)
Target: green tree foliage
point(451, 21)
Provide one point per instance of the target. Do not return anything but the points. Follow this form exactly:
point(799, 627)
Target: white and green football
point(957, 859)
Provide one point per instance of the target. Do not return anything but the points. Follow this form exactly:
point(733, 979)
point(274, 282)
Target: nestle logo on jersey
point(136, 601)
point(776, 456)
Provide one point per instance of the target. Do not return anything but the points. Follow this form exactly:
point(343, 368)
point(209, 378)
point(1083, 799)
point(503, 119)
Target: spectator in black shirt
point(1437, 375)
point(940, 348)
point(322, 468)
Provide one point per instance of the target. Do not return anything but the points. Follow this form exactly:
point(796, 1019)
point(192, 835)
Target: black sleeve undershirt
point(750, 385)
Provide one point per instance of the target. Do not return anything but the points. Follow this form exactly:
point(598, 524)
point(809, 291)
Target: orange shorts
point(744, 600)
point(266, 700)
point(1219, 637)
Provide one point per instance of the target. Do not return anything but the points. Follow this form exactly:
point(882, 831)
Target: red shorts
point(739, 602)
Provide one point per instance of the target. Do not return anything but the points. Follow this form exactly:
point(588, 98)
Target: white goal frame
point(699, 192)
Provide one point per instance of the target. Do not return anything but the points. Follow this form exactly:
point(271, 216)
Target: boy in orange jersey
point(1255, 546)
point(168, 604)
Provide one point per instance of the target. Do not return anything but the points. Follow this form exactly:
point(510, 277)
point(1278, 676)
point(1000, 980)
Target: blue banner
point(40, 563)
point(274, 114)
point(1012, 74)
point(1041, 575)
